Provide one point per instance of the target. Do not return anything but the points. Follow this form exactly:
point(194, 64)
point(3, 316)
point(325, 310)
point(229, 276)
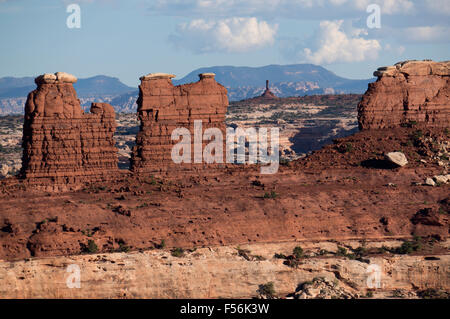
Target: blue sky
point(127, 39)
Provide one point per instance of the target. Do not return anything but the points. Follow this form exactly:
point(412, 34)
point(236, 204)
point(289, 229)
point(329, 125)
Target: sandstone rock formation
point(215, 272)
point(408, 92)
point(61, 144)
point(163, 107)
point(268, 93)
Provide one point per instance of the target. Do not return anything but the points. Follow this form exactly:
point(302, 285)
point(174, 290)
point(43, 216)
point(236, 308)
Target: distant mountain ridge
point(100, 88)
point(242, 83)
point(93, 86)
point(285, 80)
point(236, 76)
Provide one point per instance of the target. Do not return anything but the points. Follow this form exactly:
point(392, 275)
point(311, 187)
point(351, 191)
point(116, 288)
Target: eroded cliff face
point(61, 144)
point(221, 272)
point(410, 91)
point(163, 107)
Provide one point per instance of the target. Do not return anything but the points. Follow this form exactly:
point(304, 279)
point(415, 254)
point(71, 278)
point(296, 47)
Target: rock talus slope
point(62, 144)
point(410, 91)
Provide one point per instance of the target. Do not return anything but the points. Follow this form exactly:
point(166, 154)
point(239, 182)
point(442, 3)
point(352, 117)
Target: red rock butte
point(61, 144)
point(163, 107)
point(410, 91)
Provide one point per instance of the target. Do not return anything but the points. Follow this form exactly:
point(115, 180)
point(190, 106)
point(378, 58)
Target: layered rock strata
point(163, 107)
point(62, 144)
point(219, 272)
point(408, 92)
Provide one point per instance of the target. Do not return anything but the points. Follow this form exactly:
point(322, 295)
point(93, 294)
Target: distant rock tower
point(268, 93)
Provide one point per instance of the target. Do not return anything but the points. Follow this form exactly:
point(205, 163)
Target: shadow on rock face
point(427, 216)
point(377, 163)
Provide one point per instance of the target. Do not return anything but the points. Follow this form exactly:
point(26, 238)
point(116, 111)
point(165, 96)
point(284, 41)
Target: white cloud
point(398, 50)
point(402, 22)
point(387, 6)
point(224, 35)
point(431, 34)
point(280, 8)
point(332, 45)
point(439, 7)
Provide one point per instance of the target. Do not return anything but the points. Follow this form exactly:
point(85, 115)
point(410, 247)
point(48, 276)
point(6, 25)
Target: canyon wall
point(163, 107)
point(61, 144)
point(215, 272)
point(408, 92)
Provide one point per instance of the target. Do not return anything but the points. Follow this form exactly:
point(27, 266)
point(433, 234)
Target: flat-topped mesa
point(61, 144)
point(163, 107)
point(409, 91)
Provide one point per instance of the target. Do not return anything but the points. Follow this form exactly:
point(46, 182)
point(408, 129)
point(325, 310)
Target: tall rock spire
point(268, 93)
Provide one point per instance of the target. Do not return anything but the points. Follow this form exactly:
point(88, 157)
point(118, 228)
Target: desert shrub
point(397, 293)
point(384, 249)
point(162, 245)
point(279, 256)
point(416, 138)
point(267, 290)
point(409, 247)
point(292, 262)
point(344, 253)
point(271, 195)
point(87, 232)
point(341, 252)
point(257, 183)
point(346, 148)
point(123, 248)
point(360, 251)
point(404, 249)
point(243, 253)
point(408, 124)
point(177, 252)
point(151, 181)
point(298, 252)
point(432, 293)
point(92, 246)
point(258, 257)
point(246, 254)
